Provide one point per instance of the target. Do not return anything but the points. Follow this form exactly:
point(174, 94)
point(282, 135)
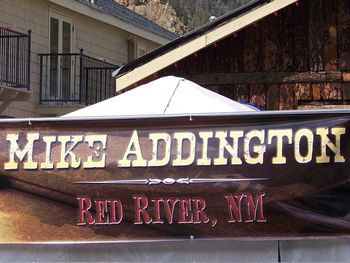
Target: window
point(136, 49)
point(141, 50)
point(60, 70)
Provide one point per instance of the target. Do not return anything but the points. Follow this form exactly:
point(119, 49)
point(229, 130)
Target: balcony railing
point(75, 78)
point(15, 58)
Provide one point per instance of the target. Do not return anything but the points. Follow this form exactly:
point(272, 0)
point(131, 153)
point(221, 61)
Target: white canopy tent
point(165, 96)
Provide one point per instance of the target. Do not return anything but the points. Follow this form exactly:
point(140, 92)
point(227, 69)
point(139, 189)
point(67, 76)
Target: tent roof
point(167, 95)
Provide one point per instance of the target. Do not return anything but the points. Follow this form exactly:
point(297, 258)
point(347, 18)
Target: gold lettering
point(155, 138)
point(259, 149)
point(204, 160)
point(27, 150)
point(180, 137)
point(231, 149)
point(326, 142)
point(279, 134)
point(133, 144)
point(74, 161)
point(48, 141)
point(310, 141)
point(91, 140)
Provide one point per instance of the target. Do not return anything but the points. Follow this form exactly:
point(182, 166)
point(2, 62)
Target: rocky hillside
point(180, 16)
point(158, 12)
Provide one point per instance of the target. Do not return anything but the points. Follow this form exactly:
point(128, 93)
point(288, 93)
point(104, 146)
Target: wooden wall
point(296, 58)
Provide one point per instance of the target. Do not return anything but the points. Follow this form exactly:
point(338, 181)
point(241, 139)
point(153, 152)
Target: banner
point(262, 176)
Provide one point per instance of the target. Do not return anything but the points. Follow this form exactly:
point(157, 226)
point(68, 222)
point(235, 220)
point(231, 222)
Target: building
point(57, 55)
point(281, 54)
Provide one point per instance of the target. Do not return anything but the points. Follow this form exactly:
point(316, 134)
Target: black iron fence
point(75, 78)
point(15, 58)
point(99, 83)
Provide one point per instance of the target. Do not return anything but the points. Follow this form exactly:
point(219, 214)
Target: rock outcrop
point(159, 12)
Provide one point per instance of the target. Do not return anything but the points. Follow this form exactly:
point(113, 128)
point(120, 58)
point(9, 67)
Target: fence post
point(41, 80)
point(81, 75)
point(100, 86)
point(17, 64)
point(86, 81)
point(105, 86)
point(29, 57)
point(7, 66)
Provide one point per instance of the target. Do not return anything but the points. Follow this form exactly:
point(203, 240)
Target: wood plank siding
point(298, 57)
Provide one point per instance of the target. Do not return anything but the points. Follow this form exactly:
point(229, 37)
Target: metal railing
point(99, 83)
point(75, 78)
point(15, 49)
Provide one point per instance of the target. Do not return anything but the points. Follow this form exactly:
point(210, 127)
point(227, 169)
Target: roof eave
point(101, 16)
point(126, 77)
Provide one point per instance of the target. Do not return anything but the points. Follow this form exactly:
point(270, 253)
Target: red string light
point(276, 14)
point(297, 3)
point(7, 27)
point(103, 59)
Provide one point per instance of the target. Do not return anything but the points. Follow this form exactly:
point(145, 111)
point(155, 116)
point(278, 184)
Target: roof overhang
point(86, 10)
point(237, 23)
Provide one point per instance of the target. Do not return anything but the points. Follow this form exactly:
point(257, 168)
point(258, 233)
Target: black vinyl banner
point(264, 176)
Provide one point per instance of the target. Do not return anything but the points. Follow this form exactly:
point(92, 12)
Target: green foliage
point(194, 13)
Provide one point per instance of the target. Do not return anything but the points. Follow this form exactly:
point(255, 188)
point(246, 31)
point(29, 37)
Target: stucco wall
point(98, 40)
point(21, 16)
